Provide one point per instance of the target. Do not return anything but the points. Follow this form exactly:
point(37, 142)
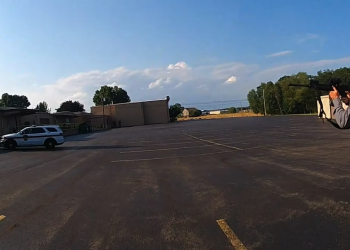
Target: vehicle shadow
point(64, 148)
point(3, 151)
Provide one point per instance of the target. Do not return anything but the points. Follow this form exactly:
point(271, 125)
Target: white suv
point(48, 136)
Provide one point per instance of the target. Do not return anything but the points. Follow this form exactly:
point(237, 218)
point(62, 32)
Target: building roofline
point(126, 103)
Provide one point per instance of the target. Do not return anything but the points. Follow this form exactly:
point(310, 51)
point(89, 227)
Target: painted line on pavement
point(171, 143)
point(2, 217)
point(161, 149)
point(236, 243)
point(175, 157)
point(215, 143)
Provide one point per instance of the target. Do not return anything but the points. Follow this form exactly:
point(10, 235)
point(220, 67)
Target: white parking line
point(215, 143)
point(162, 149)
point(174, 157)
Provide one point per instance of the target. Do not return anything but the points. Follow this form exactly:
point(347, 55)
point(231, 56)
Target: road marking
point(175, 157)
point(236, 243)
point(171, 143)
point(2, 217)
point(215, 143)
point(161, 149)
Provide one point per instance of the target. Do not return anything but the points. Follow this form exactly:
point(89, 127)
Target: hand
point(334, 94)
point(347, 94)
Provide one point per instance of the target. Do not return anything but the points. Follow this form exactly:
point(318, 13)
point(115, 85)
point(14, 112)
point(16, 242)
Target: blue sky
point(60, 50)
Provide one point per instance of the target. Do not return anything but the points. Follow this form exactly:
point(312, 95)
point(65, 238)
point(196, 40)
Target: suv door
point(37, 136)
point(24, 139)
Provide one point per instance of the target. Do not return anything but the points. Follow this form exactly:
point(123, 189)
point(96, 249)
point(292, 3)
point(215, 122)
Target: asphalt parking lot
point(240, 183)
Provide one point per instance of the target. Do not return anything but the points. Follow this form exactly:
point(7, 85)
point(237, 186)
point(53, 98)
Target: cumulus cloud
point(116, 84)
point(231, 80)
point(159, 83)
point(77, 96)
point(179, 65)
point(179, 81)
point(282, 53)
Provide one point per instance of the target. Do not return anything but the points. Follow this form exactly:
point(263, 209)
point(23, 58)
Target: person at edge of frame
point(342, 116)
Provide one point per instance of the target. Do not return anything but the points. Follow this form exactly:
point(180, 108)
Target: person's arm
point(341, 115)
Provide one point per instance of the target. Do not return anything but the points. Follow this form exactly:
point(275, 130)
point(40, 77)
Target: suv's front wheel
point(10, 144)
point(50, 143)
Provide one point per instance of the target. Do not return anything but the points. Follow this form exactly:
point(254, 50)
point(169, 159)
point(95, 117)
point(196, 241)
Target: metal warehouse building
point(135, 113)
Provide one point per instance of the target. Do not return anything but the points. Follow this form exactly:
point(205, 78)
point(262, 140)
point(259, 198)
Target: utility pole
point(264, 102)
point(103, 110)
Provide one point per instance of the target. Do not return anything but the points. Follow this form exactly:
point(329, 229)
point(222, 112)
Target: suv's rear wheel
point(50, 143)
point(10, 144)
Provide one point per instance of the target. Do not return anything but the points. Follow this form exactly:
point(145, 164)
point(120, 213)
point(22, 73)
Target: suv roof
point(43, 126)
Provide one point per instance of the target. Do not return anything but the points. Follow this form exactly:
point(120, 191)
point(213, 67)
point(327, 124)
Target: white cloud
point(204, 83)
point(307, 37)
point(179, 65)
point(178, 85)
point(282, 53)
point(159, 83)
point(77, 96)
point(231, 80)
point(116, 84)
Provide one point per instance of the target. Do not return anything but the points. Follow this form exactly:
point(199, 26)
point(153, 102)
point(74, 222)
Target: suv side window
point(51, 129)
point(27, 131)
point(38, 131)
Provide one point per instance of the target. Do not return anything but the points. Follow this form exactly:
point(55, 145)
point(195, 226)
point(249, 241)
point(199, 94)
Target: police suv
point(48, 136)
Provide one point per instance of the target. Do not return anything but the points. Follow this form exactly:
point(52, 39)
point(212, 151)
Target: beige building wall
point(94, 120)
point(135, 113)
point(156, 112)
point(110, 111)
point(38, 119)
point(215, 112)
point(185, 113)
point(130, 114)
point(62, 119)
point(9, 124)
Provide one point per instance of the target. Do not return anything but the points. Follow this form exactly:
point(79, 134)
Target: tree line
point(279, 97)
point(105, 95)
point(283, 99)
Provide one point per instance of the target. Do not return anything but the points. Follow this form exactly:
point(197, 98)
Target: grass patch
point(234, 115)
point(219, 116)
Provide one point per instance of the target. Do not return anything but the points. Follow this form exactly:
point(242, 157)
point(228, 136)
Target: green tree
point(284, 99)
point(195, 113)
point(178, 105)
point(174, 111)
point(43, 107)
point(71, 106)
point(254, 102)
point(272, 103)
point(232, 110)
point(112, 95)
point(15, 101)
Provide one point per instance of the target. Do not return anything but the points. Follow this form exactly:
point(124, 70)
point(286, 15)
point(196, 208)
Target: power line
point(214, 102)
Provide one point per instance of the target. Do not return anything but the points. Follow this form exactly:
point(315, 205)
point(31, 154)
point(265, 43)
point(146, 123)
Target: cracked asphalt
point(278, 182)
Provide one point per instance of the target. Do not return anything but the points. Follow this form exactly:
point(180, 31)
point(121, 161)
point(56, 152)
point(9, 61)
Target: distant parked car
point(48, 136)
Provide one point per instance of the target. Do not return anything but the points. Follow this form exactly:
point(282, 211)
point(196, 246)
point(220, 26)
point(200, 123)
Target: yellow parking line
point(2, 217)
point(215, 143)
point(236, 243)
